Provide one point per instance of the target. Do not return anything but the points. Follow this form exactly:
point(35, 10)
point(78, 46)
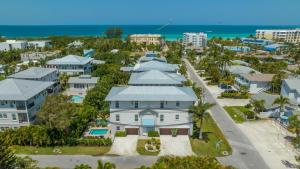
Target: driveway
point(178, 146)
point(125, 146)
point(270, 140)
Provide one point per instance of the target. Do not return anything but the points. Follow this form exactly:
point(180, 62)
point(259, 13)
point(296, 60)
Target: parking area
point(125, 146)
point(270, 139)
point(178, 146)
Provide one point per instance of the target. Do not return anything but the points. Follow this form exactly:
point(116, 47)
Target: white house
point(140, 109)
point(80, 85)
point(20, 100)
point(255, 82)
point(291, 88)
point(13, 44)
point(40, 44)
point(72, 64)
point(37, 73)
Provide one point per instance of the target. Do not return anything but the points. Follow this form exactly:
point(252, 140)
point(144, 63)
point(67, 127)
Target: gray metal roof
point(151, 93)
point(147, 59)
point(18, 89)
point(293, 84)
point(70, 60)
point(151, 65)
point(83, 79)
point(238, 69)
point(32, 73)
point(156, 77)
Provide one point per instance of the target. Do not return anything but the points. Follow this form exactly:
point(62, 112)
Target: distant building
point(194, 39)
point(80, 85)
point(75, 44)
point(290, 88)
point(39, 55)
point(20, 100)
point(72, 64)
point(152, 65)
point(274, 47)
point(152, 55)
point(37, 73)
point(13, 44)
point(238, 48)
point(89, 52)
point(114, 51)
point(40, 44)
point(255, 82)
point(239, 69)
point(261, 42)
point(146, 39)
point(284, 35)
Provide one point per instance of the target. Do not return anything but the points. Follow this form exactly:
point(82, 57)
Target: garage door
point(132, 131)
point(167, 131)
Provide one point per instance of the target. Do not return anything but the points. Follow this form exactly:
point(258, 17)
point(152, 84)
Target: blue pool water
point(98, 131)
point(77, 99)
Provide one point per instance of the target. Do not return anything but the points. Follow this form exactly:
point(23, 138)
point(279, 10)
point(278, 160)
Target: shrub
point(95, 142)
point(149, 147)
point(248, 106)
point(157, 147)
point(249, 114)
point(153, 134)
point(234, 95)
point(120, 134)
point(174, 132)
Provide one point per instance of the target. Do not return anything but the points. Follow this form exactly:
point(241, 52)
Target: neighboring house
point(20, 100)
point(75, 44)
point(194, 39)
point(13, 44)
point(140, 109)
point(80, 85)
point(146, 39)
point(151, 55)
point(72, 64)
point(274, 47)
point(273, 110)
point(89, 52)
point(156, 78)
point(261, 42)
point(155, 65)
point(290, 88)
point(239, 69)
point(39, 55)
point(238, 48)
point(37, 73)
point(254, 82)
point(40, 44)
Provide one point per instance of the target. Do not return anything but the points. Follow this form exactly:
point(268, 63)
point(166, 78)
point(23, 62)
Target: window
point(5, 115)
point(162, 105)
point(177, 116)
point(177, 103)
point(14, 117)
point(136, 104)
point(117, 117)
point(118, 127)
point(136, 117)
point(161, 117)
point(117, 104)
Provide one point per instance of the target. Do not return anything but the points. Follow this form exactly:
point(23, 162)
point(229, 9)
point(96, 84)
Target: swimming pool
point(98, 132)
point(77, 99)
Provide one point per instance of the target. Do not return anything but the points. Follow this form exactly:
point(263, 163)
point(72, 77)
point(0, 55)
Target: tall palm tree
point(281, 101)
point(259, 105)
point(199, 111)
point(106, 165)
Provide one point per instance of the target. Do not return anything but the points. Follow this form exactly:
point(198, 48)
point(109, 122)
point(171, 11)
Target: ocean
point(170, 32)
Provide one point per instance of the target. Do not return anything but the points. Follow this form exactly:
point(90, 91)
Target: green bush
point(248, 106)
point(249, 114)
point(149, 147)
point(234, 95)
point(153, 134)
point(94, 142)
point(120, 134)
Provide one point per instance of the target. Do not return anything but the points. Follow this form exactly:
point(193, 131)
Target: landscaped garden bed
point(239, 113)
point(148, 146)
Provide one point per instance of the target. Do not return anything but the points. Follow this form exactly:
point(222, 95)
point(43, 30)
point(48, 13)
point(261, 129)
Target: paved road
point(244, 156)
point(70, 161)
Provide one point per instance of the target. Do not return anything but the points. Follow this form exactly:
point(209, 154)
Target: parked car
point(225, 86)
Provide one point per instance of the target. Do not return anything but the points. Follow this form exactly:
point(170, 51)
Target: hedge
point(120, 134)
point(153, 134)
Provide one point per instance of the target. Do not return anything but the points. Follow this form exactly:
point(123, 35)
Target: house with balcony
point(78, 86)
point(72, 65)
point(140, 109)
point(156, 78)
point(20, 100)
point(290, 88)
point(255, 82)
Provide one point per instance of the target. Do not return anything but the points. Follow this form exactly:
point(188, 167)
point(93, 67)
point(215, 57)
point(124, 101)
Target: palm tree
point(199, 113)
point(281, 101)
point(259, 105)
point(106, 165)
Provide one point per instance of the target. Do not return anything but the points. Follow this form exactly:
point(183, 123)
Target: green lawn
point(65, 150)
point(141, 148)
point(236, 113)
point(211, 135)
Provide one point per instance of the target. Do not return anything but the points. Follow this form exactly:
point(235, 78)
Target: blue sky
point(116, 12)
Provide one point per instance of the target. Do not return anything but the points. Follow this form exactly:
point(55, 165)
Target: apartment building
point(287, 35)
point(146, 39)
point(12, 45)
point(194, 39)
